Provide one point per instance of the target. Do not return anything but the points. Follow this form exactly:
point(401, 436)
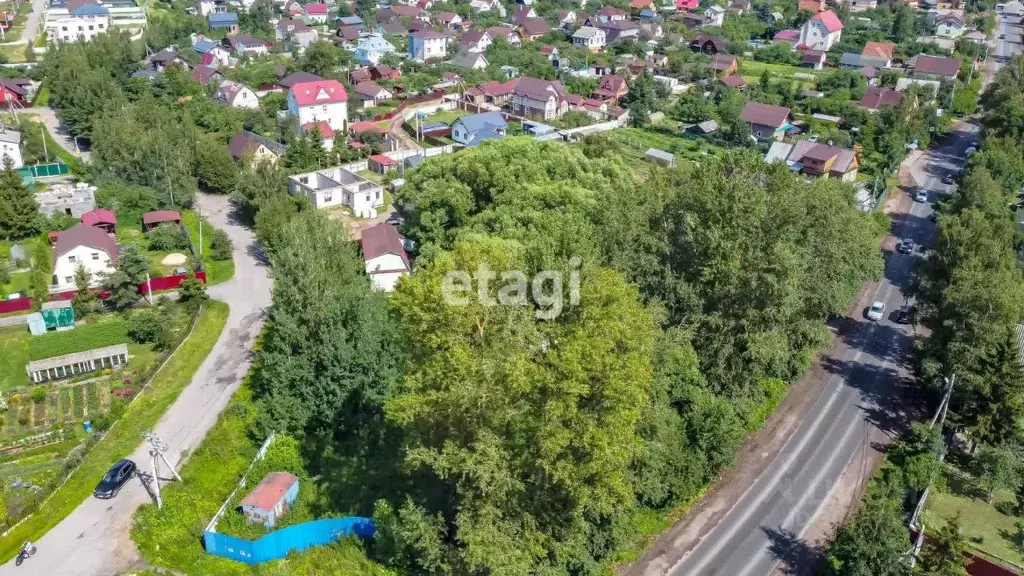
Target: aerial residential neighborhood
point(498, 287)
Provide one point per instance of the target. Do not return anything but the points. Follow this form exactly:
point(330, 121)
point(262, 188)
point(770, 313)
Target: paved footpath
point(95, 538)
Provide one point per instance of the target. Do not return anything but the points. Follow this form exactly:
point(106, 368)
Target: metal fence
point(280, 543)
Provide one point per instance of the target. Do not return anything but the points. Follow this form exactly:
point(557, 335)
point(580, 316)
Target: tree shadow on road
point(796, 557)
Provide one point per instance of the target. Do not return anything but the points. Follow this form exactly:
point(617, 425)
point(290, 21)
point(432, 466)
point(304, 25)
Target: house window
point(91, 28)
point(95, 255)
point(71, 259)
point(758, 134)
point(64, 28)
point(367, 197)
point(328, 197)
point(67, 279)
point(378, 194)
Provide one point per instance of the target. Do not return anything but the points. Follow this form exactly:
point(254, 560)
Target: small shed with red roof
point(102, 219)
point(270, 499)
point(151, 220)
point(380, 163)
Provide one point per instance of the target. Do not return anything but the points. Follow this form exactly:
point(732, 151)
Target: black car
point(114, 479)
point(948, 179)
point(905, 315)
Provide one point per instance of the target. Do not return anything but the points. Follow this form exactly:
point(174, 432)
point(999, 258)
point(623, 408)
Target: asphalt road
point(766, 522)
point(1008, 38)
point(95, 538)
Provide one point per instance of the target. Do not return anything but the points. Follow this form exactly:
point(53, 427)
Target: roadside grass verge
point(126, 434)
point(217, 271)
point(171, 537)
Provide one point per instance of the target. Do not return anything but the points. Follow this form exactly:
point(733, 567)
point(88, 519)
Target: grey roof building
point(68, 365)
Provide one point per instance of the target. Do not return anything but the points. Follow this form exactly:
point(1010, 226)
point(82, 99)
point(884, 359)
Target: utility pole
point(940, 418)
point(156, 455)
point(199, 211)
point(168, 175)
point(42, 134)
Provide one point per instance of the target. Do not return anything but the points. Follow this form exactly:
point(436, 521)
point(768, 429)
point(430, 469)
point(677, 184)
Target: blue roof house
point(224, 20)
point(203, 46)
point(473, 129)
point(371, 48)
point(90, 10)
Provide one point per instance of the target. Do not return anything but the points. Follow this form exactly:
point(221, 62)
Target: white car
point(921, 196)
point(876, 311)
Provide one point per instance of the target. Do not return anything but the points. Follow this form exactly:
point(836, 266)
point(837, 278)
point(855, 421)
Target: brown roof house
point(151, 220)
point(875, 98)
point(766, 122)
point(724, 64)
point(384, 255)
point(371, 94)
point(818, 160)
point(206, 75)
point(545, 99)
point(611, 88)
point(709, 44)
point(270, 499)
point(86, 246)
point(935, 67)
point(260, 149)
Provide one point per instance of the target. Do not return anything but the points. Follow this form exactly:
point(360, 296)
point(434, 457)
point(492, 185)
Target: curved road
point(95, 539)
point(753, 533)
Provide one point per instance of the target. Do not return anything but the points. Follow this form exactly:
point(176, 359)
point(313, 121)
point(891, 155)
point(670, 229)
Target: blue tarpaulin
point(279, 543)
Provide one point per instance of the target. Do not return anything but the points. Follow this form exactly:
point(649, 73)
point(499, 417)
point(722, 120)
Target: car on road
point(906, 246)
point(921, 196)
point(876, 310)
point(1002, 36)
point(905, 315)
point(115, 479)
point(948, 179)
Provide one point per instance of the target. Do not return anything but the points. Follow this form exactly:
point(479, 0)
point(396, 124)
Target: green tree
point(221, 246)
point(215, 168)
point(167, 238)
point(192, 292)
point(506, 418)
point(257, 185)
point(996, 468)
point(875, 542)
point(329, 357)
point(123, 283)
point(641, 99)
point(943, 551)
point(85, 301)
point(917, 455)
point(18, 210)
point(321, 58)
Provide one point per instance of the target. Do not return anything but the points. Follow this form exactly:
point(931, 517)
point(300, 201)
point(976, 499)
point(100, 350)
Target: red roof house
point(100, 218)
point(270, 498)
point(380, 163)
point(318, 92)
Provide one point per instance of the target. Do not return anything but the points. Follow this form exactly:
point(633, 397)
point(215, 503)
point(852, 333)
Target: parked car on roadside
point(905, 246)
point(876, 310)
point(905, 315)
point(115, 479)
point(921, 196)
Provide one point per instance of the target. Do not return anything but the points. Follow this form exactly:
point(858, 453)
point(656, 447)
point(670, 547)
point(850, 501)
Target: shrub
point(221, 245)
point(5, 274)
point(145, 325)
point(191, 292)
point(15, 399)
point(167, 238)
point(1006, 508)
point(24, 418)
point(39, 394)
point(123, 393)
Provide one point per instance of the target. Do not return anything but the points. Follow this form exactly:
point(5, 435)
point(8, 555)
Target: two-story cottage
point(427, 45)
point(319, 100)
point(765, 121)
point(822, 31)
point(475, 41)
point(86, 246)
point(247, 44)
point(950, 25)
point(258, 149)
point(818, 160)
point(315, 13)
point(384, 256)
point(371, 48)
point(589, 37)
point(236, 95)
point(545, 99)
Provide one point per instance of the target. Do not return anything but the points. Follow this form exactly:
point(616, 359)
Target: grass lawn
point(754, 69)
point(19, 283)
point(127, 235)
point(109, 330)
point(217, 271)
point(446, 116)
point(987, 530)
point(13, 356)
point(43, 96)
point(638, 140)
point(371, 175)
point(14, 53)
point(126, 434)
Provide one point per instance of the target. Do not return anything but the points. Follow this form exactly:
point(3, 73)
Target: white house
point(84, 22)
point(319, 100)
point(338, 186)
point(427, 45)
point(545, 99)
point(83, 245)
point(591, 38)
point(471, 60)
point(950, 26)
point(384, 255)
point(714, 15)
point(315, 13)
point(371, 93)
point(236, 95)
point(371, 48)
point(822, 31)
point(487, 6)
point(10, 147)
